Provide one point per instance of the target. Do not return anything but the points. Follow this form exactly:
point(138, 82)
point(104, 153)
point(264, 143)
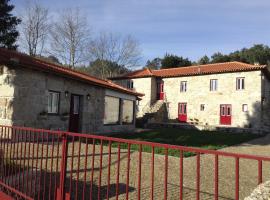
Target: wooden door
point(74, 120)
point(225, 114)
point(182, 112)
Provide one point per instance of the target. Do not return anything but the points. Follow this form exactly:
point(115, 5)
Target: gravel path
point(248, 172)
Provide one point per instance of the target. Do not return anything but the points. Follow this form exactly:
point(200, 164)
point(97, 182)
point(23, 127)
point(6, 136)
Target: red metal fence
point(44, 164)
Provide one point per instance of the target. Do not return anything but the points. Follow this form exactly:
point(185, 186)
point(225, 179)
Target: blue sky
point(189, 28)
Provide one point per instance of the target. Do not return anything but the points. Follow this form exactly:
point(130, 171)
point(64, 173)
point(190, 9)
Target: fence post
point(61, 194)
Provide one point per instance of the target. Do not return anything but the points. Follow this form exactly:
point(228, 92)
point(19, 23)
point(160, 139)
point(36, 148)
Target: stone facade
point(198, 92)
point(256, 96)
point(149, 91)
point(24, 101)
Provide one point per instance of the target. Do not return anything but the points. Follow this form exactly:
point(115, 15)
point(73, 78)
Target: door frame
point(160, 89)
point(71, 111)
point(225, 117)
point(182, 111)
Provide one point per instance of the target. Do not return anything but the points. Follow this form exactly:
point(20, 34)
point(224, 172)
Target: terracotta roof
point(137, 74)
point(194, 70)
point(23, 60)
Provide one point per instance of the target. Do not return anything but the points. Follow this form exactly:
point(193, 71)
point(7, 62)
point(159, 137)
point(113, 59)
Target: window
point(183, 86)
point(240, 83)
point(128, 112)
point(213, 85)
point(244, 107)
point(130, 84)
point(112, 110)
point(53, 102)
point(202, 107)
point(228, 110)
point(76, 105)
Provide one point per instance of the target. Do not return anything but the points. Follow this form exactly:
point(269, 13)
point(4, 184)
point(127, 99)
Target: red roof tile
point(23, 60)
point(138, 74)
point(194, 70)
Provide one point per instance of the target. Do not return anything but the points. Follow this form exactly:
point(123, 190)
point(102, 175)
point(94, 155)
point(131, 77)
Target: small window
point(245, 108)
point(53, 102)
point(240, 83)
point(213, 85)
point(202, 107)
point(130, 84)
point(183, 86)
point(76, 105)
point(222, 110)
point(228, 111)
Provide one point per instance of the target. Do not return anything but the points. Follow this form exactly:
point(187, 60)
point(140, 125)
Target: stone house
point(231, 94)
point(36, 93)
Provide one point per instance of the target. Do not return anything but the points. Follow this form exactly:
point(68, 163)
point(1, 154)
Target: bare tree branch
point(35, 28)
point(70, 37)
point(111, 47)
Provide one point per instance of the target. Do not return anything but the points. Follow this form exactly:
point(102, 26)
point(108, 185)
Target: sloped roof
point(22, 60)
point(193, 70)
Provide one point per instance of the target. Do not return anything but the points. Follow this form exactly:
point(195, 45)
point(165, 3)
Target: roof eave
point(73, 77)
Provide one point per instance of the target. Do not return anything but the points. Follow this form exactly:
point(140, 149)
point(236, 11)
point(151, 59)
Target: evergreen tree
point(204, 60)
point(8, 23)
point(171, 61)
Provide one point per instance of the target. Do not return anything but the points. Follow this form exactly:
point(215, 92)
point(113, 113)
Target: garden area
point(212, 140)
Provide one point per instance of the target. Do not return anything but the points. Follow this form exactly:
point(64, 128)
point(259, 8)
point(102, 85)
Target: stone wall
point(24, 100)
point(6, 95)
point(147, 86)
point(266, 105)
point(261, 192)
point(198, 92)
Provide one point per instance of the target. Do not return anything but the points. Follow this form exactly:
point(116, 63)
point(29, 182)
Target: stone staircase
point(155, 107)
point(154, 113)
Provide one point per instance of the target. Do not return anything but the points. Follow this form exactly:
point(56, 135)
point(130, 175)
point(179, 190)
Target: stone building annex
point(39, 94)
point(231, 94)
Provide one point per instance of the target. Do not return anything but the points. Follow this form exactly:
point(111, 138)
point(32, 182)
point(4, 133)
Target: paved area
point(81, 181)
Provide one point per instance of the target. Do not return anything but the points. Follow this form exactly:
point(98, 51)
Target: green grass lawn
point(191, 138)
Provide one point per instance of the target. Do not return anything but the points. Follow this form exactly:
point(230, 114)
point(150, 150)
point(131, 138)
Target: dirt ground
point(81, 171)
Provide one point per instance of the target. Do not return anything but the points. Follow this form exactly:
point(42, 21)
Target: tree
point(219, 57)
point(8, 24)
point(170, 61)
point(124, 51)
point(70, 38)
point(35, 28)
point(258, 53)
point(204, 60)
point(104, 69)
point(154, 64)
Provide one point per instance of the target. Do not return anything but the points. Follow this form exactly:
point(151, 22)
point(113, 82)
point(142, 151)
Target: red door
point(160, 90)
point(182, 112)
point(225, 114)
point(74, 119)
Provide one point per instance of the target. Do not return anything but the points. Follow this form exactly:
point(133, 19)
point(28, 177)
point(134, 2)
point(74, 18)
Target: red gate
point(44, 164)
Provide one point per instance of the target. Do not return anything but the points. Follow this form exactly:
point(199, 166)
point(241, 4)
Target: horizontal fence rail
point(45, 164)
